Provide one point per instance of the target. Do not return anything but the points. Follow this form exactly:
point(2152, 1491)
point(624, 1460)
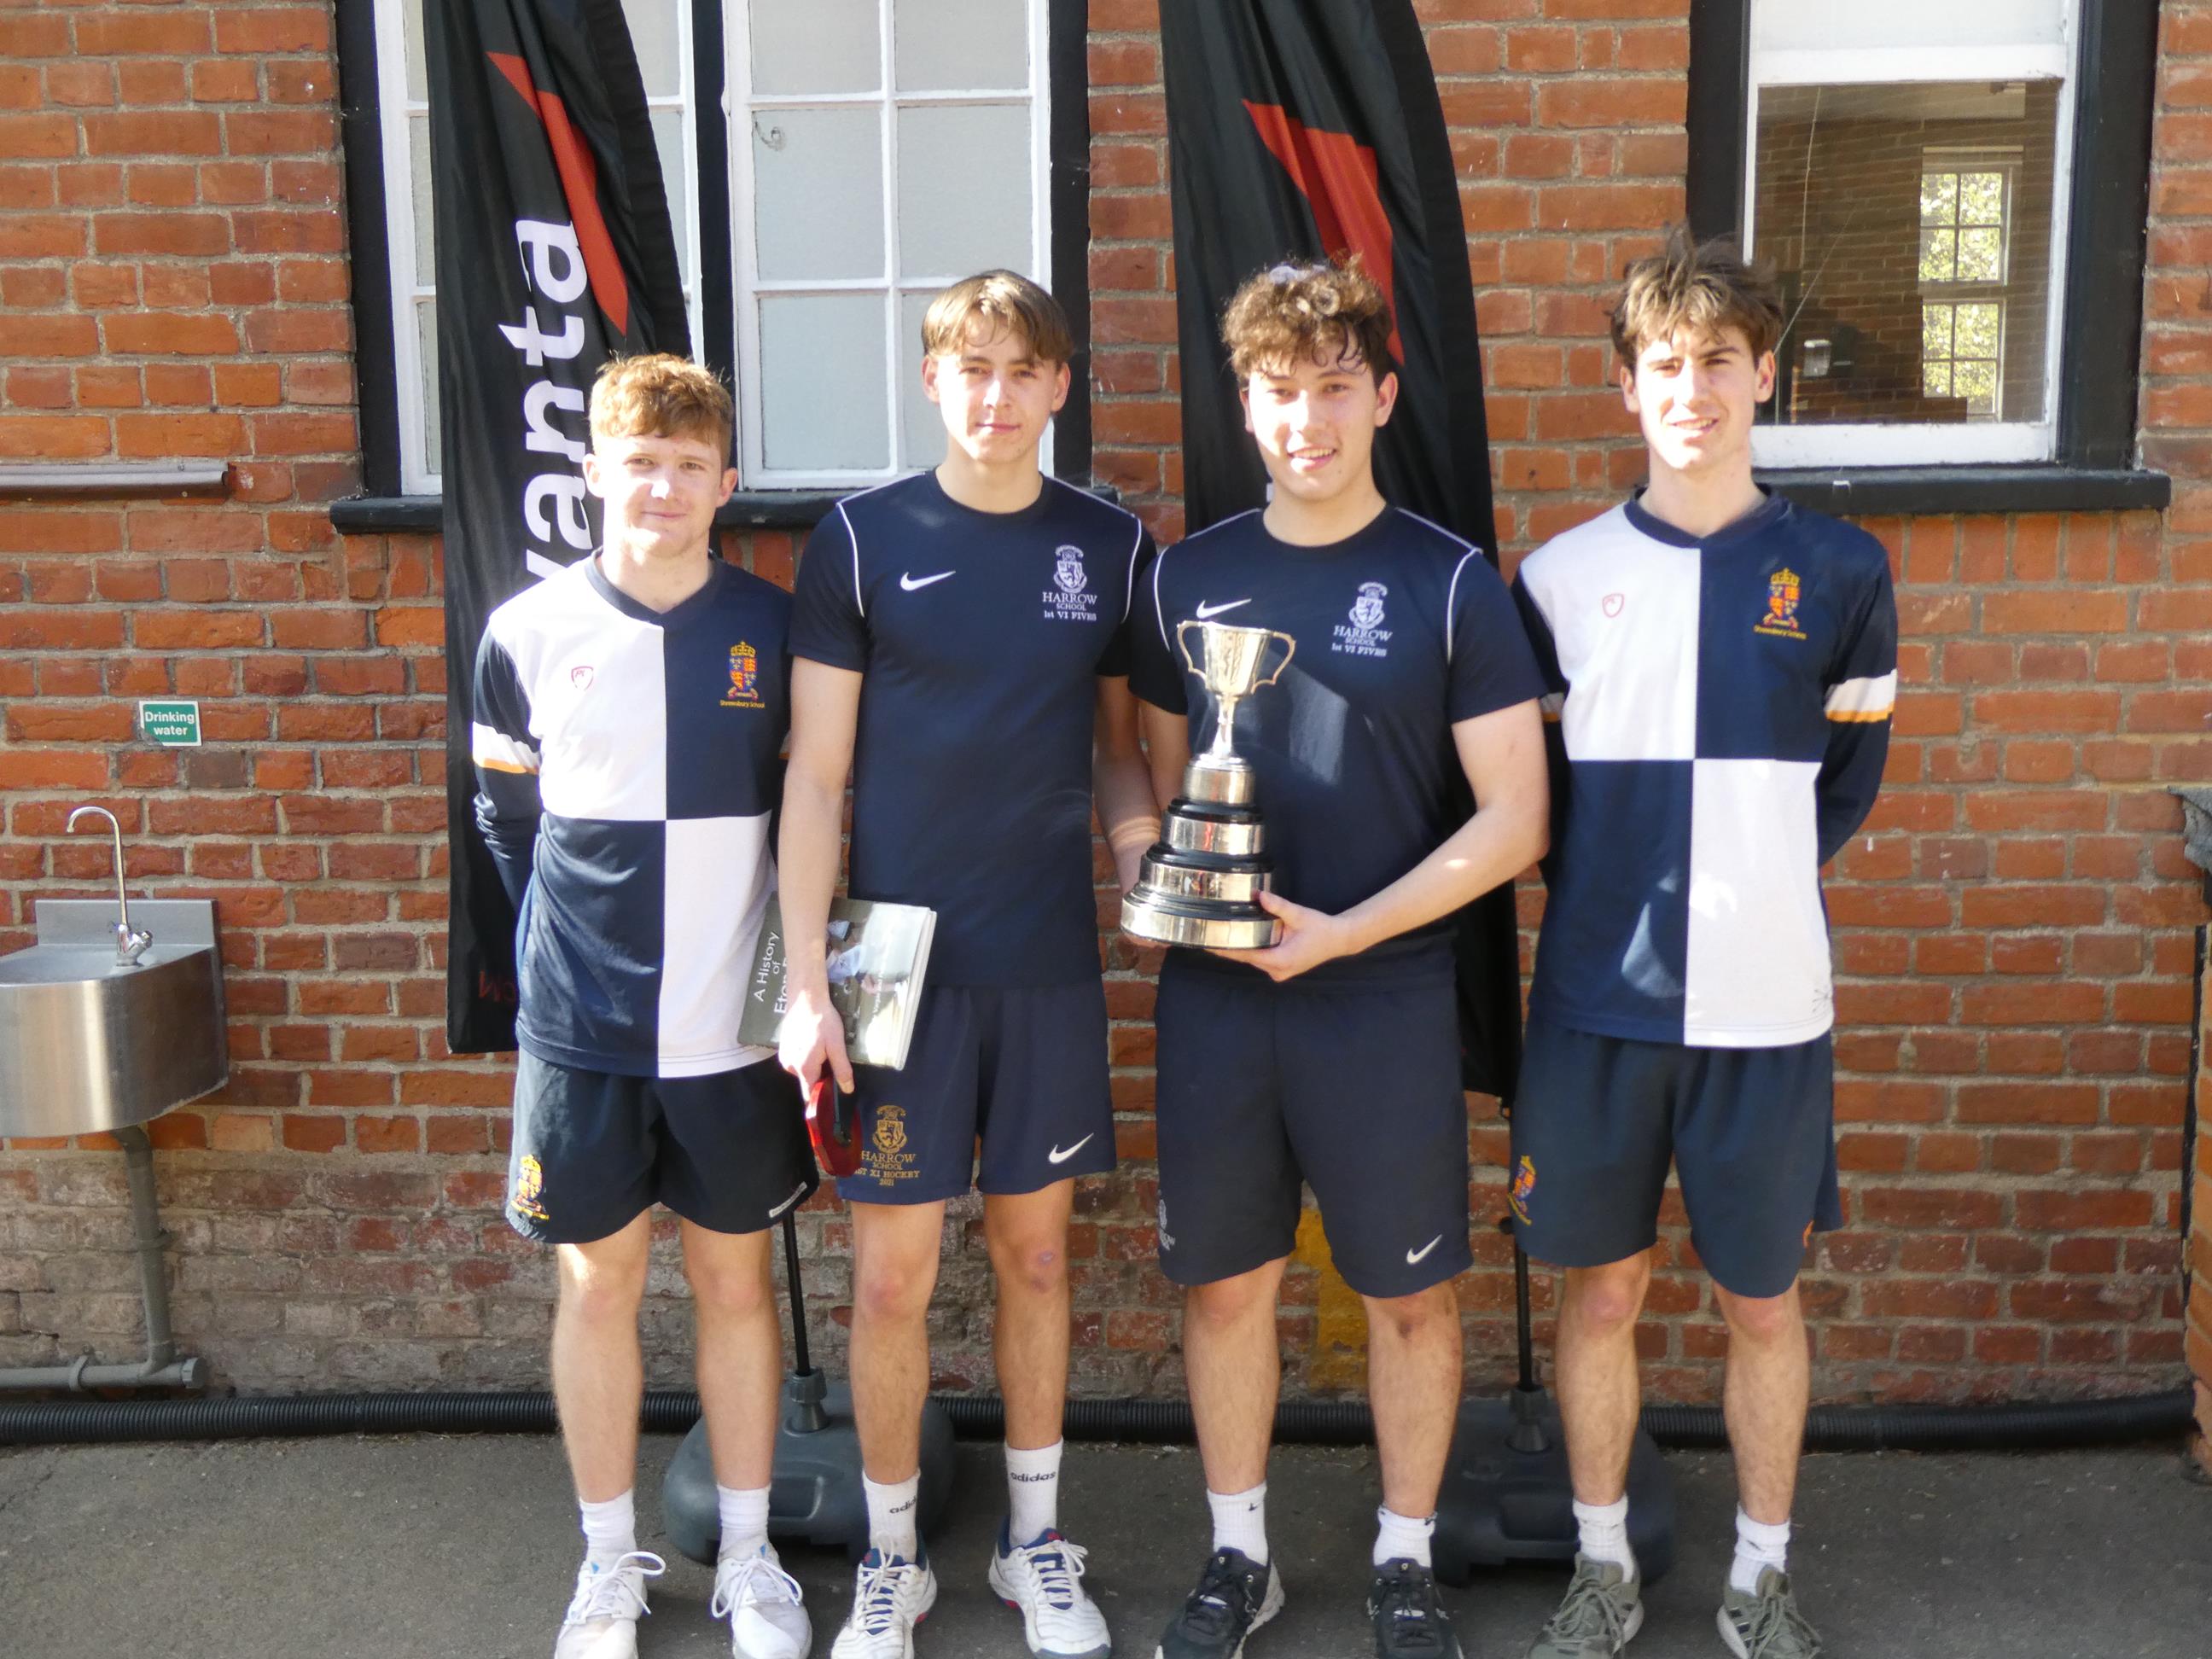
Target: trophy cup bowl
point(1201, 882)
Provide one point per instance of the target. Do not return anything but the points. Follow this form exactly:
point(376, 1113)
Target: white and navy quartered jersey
point(981, 637)
point(1722, 709)
point(1402, 630)
point(628, 766)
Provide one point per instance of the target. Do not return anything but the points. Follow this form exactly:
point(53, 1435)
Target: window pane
point(818, 186)
point(426, 325)
point(418, 168)
point(961, 208)
point(418, 69)
point(973, 46)
point(802, 46)
point(822, 382)
point(922, 429)
point(1875, 203)
point(668, 144)
point(1812, 24)
point(657, 36)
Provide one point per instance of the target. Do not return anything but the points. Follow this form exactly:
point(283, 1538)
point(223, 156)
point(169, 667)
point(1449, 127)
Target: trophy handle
point(1289, 650)
point(1184, 645)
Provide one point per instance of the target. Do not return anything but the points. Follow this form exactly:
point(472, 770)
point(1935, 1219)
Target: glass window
point(879, 150)
point(660, 32)
point(1909, 170)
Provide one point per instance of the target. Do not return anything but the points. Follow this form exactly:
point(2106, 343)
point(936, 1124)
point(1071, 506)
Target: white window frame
point(747, 284)
point(1911, 444)
point(418, 474)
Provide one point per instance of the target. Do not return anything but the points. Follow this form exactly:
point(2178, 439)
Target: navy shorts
point(594, 1151)
point(1022, 1069)
point(1353, 1090)
point(1750, 1131)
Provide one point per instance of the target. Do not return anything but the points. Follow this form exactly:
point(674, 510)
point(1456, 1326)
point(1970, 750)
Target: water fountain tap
point(131, 942)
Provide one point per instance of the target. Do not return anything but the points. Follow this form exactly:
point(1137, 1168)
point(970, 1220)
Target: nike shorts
point(1353, 1090)
point(1022, 1070)
point(1751, 1132)
point(593, 1151)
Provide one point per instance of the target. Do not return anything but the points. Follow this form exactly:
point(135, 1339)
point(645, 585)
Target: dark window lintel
point(1910, 490)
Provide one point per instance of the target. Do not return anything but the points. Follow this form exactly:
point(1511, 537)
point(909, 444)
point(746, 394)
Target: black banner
point(554, 253)
point(1298, 131)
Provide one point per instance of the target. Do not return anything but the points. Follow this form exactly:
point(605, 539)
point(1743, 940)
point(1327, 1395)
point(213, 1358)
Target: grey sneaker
point(1766, 1623)
point(1603, 1607)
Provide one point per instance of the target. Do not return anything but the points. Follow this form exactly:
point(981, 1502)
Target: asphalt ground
point(362, 1548)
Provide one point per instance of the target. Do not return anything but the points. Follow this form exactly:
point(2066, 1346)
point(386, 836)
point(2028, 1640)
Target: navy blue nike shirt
point(1403, 630)
point(981, 637)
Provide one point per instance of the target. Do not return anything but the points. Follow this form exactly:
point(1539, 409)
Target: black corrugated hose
point(2018, 1426)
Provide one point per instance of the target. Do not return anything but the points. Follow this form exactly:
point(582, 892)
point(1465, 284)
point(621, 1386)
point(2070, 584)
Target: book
point(879, 957)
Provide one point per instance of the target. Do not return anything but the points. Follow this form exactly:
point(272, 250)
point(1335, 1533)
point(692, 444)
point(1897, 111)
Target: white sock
point(745, 1518)
point(1240, 1520)
point(1758, 1546)
point(1032, 1491)
point(609, 1528)
point(893, 1524)
point(1401, 1537)
point(1603, 1531)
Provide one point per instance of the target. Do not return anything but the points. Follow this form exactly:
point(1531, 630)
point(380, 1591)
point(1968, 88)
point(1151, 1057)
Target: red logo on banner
point(579, 183)
point(1340, 179)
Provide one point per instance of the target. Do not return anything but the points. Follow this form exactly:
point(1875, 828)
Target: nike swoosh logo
point(796, 1193)
point(1205, 610)
point(1413, 1256)
point(910, 583)
point(1056, 1156)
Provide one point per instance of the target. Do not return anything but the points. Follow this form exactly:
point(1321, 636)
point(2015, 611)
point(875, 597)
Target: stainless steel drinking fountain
point(114, 1016)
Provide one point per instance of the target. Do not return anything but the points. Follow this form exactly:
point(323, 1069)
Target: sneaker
point(891, 1595)
point(1604, 1607)
point(1235, 1596)
point(1042, 1581)
point(603, 1615)
point(1767, 1625)
point(1409, 1621)
point(762, 1602)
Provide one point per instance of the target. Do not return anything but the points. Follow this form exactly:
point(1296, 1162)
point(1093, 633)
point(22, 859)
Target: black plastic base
point(815, 1496)
point(1507, 1497)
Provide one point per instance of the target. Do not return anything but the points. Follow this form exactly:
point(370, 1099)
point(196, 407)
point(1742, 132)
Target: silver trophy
point(1201, 881)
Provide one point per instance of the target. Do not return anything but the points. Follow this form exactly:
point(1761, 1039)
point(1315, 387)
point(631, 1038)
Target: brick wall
point(2012, 932)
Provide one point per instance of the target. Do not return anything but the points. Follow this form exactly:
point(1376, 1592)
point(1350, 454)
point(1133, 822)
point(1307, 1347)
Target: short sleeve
point(1492, 666)
point(1113, 660)
point(827, 624)
point(1156, 670)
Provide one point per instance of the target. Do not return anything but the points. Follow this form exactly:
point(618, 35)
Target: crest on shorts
point(891, 1130)
point(1783, 589)
point(1068, 572)
point(744, 690)
point(527, 1198)
point(1524, 1187)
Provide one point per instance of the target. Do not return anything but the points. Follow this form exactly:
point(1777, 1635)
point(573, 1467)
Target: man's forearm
point(1122, 786)
point(808, 854)
point(1493, 846)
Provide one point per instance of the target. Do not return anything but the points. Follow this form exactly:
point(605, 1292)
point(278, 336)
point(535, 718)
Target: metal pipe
point(161, 1369)
point(129, 943)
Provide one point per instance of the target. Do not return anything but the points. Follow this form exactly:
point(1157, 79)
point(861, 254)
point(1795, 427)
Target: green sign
point(172, 725)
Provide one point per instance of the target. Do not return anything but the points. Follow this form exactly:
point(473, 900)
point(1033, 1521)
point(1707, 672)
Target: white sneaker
point(1043, 1583)
point(762, 1602)
point(603, 1613)
point(891, 1595)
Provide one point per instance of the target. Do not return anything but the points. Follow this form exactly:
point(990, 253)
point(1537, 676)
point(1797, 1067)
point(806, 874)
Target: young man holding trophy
point(1357, 670)
point(961, 648)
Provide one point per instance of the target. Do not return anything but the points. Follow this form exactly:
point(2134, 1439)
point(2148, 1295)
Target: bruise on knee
point(1040, 1269)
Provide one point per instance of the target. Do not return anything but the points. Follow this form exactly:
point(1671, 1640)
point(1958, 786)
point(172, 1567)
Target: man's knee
point(730, 1283)
point(1227, 1302)
point(1760, 1319)
point(602, 1283)
point(1407, 1320)
point(1034, 1261)
point(1605, 1299)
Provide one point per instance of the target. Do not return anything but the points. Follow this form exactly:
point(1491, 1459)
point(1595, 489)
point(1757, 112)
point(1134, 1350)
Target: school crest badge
point(1068, 572)
point(743, 689)
point(528, 1198)
point(1783, 589)
point(1524, 1188)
